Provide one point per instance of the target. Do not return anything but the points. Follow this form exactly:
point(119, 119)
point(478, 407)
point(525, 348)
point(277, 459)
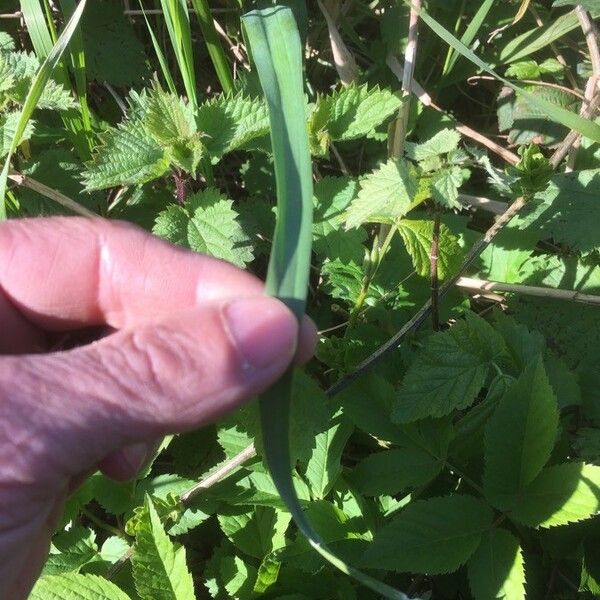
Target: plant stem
point(435, 246)
point(213, 45)
point(103, 524)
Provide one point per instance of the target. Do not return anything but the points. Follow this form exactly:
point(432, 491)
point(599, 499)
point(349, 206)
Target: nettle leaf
point(560, 494)
point(8, 127)
point(496, 570)
point(418, 238)
point(159, 566)
point(229, 122)
point(256, 532)
point(449, 372)
point(354, 112)
point(324, 465)
point(73, 585)
point(332, 195)
point(55, 97)
point(431, 536)
point(444, 187)
point(519, 437)
point(385, 195)
point(207, 223)
point(128, 156)
point(7, 44)
point(392, 471)
point(168, 118)
point(442, 142)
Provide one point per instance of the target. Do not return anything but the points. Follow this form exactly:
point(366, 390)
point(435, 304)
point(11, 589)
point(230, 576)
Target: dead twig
point(481, 285)
point(425, 98)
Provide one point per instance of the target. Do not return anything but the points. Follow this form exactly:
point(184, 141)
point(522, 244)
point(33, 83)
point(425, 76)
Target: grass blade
point(558, 114)
point(276, 49)
point(178, 26)
point(33, 96)
point(213, 45)
point(162, 61)
point(37, 27)
point(470, 33)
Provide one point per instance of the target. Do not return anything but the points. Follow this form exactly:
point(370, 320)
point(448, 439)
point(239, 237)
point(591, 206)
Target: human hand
point(193, 338)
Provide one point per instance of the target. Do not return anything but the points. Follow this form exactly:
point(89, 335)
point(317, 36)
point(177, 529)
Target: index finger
point(66, 272)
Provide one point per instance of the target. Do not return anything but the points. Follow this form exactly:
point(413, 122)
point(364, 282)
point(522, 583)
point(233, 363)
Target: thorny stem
point(433, 257)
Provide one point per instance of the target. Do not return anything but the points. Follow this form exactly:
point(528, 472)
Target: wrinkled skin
point(190, 338)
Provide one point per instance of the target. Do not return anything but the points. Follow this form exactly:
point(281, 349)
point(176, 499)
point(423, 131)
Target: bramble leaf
point(159, 566)
point(519, 437)
point(560, 494)
point(354, 111)
point(392, 471)
point(431, 536)
point(449, 372)
point(207, 223)
point(385, 195)
point(324, 465)
point(73, 585)
point(442, 142)
point(418, 238)
point(496, 570)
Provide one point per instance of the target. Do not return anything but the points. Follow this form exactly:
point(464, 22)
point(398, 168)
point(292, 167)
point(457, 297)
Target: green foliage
point(519, 437)
point(452, 525)
point(496, 569)
point(159, 567)
point(385, 195)
point(469, 456)
point(449, 372)
point(207, 223)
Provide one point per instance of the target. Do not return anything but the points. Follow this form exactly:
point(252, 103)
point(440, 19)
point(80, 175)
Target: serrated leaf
point(168, 118)
point(79, 587)
point(6, 42)
point(8, 127)
point(354, 112)
point(567, 210)
point(560, 494)
point(208, 224)
point(519, 437)
point(229, 122)
point(444, 141)
point(392, 471)
point(324, 465)
point(159, 567)
point(496, 570)
point(449, 371)
point(70, 551)
point(332, 197)
point(129, 156)
point(418, 238)
point(385, 195)
point(525, 69)
point(431, 536)
point(522, 345)
point(444, 187)
point(256, 532)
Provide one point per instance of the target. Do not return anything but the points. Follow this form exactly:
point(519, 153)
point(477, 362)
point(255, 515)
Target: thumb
point(143, 383)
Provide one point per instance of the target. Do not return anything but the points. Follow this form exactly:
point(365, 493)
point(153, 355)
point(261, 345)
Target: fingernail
point(136, 456)
point(263, 329)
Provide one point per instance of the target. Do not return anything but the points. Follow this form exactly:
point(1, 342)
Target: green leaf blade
point(431, 536)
